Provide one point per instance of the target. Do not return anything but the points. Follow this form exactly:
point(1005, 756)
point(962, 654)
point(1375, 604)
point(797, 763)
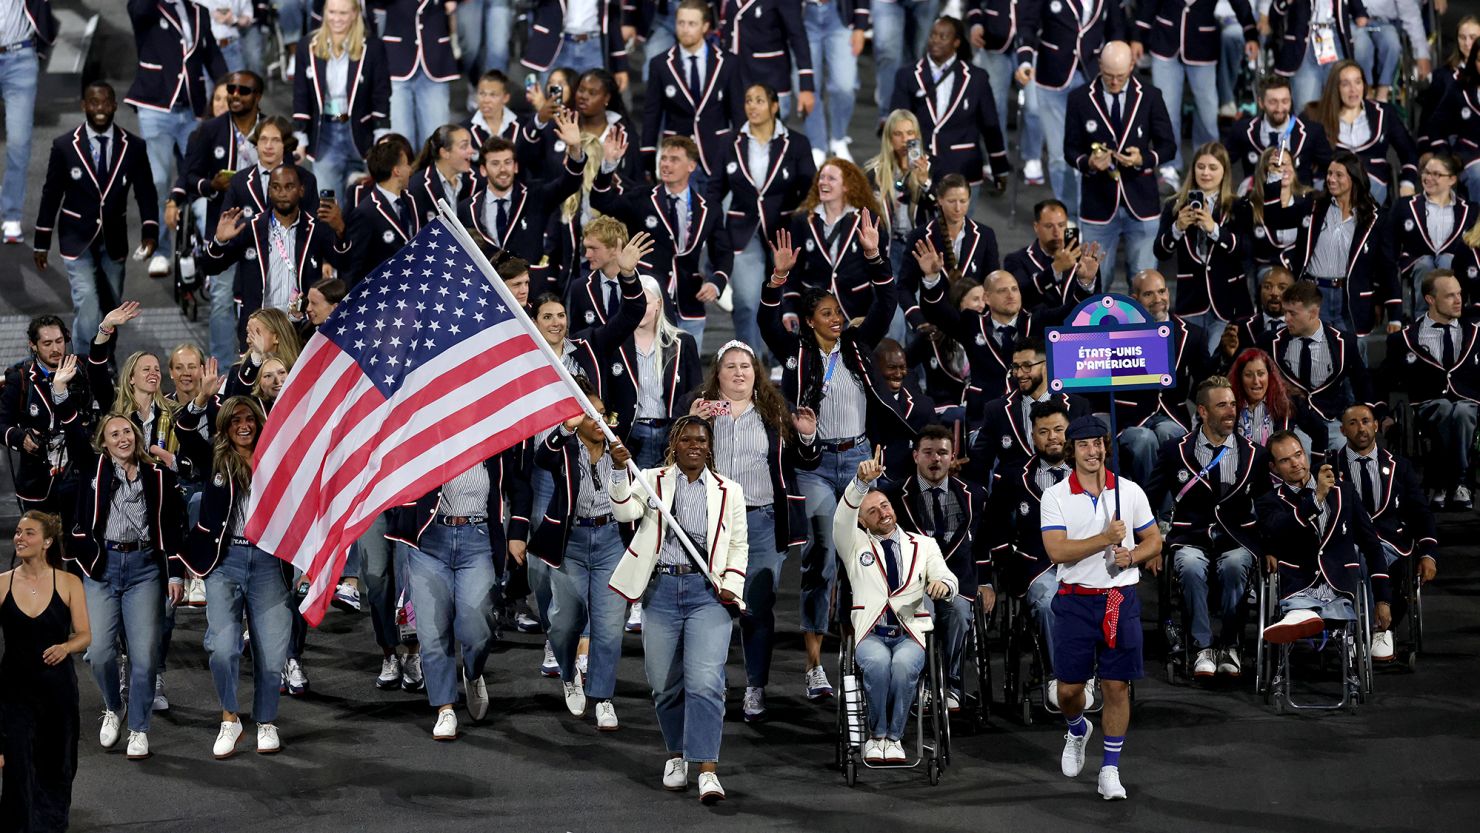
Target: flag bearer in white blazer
point(890, 571)
point(686, 624)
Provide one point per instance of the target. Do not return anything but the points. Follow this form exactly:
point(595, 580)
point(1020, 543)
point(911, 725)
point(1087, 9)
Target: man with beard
point(1212, 477)
point(1243, 333)
point(218, 149)
point(1097, 528)
point(1054, 277)
point(953, 512)
point(45, 410)
point(1005, 438)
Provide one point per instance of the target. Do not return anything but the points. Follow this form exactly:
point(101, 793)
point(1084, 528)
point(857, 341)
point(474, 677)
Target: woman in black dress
point(44, 621)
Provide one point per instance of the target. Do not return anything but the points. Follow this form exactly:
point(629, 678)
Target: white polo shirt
point(1067, 506)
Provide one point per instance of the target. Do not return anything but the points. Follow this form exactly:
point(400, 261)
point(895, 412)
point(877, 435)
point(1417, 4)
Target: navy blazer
point(39, 13)
point(678, 271)
point(979, 258)
point(376, 233)
point(1371, 279)
point(1409, 366)
point(706, 115)
point(560, 453)
point(26, 406)
point(607, 356)
point(248, 190)
point(768, 36)
point(1348, 384)
point(547, 35)
point(1455, 124)
point(1014, 527)
point(417, 37)
point(1387, 132)
point(208, 541)
point(976, 332)
point(1262, 244)
point(92, 202)
point(171, 70)
point(164, 511)
point(1146, 126)
point(1006, 439)
point(1211, 279)
point(762, 201)
point(1289, 531)
point(1402, 517)
point(1248, 137)
point(1289, 53)
point(1048, 295)
point(369, 94)
point(1189, 31)
point(1408, 231)
point(1051, 39)
point(969, 551)
point(847, 277)
point(211, 149)
point(252, 252)
point(1197, 507)
point(425, 188)
point(955, 135)
point(894, 419)
point(999, 22)
point(530, 210)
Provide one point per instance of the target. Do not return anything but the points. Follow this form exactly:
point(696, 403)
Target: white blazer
point(920, 563)
point(729, 545)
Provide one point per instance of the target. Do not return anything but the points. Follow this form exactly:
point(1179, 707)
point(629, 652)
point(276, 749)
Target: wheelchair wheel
point(940, 711)
point(850, 771)
point(932, 771)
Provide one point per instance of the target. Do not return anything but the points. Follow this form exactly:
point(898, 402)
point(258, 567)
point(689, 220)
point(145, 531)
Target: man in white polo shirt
point(1097, 528)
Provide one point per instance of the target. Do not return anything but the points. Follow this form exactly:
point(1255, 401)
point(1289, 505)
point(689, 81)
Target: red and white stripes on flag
point(400, 391)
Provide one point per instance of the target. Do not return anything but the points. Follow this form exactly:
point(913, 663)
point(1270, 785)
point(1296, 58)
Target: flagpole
point(461, 233)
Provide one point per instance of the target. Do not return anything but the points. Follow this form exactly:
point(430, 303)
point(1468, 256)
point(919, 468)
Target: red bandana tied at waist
point(1113, 598)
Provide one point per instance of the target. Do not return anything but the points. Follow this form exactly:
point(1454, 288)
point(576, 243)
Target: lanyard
point(1202, 475)
point(832, 366)
point(277, 243)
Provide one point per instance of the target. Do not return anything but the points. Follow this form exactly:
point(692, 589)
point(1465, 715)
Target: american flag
point(425, 370)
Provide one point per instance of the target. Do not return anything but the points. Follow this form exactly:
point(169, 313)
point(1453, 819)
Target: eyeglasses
point(238, 89)
point(1025, 367)
point(1438, 174)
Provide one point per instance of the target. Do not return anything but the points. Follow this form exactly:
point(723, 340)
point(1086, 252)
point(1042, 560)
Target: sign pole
point(1113, 454)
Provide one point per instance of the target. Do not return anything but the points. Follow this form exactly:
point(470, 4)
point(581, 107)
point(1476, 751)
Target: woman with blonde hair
point(900, 178)
point(1199, 232)
point(341, 92)
point(668, 366)
point(269, 331)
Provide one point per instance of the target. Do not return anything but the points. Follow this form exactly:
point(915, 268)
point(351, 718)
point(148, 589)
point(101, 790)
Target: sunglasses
point(239, 89)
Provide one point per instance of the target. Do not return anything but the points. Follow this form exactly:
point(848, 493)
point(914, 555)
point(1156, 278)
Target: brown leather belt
point(461, 520)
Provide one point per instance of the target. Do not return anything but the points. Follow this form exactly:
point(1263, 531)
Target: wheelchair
point(1177, 627)
point(977, 705)
point(1027, 693)
point(1353, 642)
point(931, 718)
point(185, 262)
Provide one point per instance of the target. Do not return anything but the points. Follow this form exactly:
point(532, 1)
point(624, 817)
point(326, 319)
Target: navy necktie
point(1448, 345)
point(1005, 334)
point(100, 159)
point(672, 205)
point(1307, 362)
point(1369, 494)
point(891, 564)
point(1117, 117)
point(938, 516)
point(403, 209)
point(501, 220)
point(1058, 475)
point(611, 298)
point(694, 83)
point(1215, 477)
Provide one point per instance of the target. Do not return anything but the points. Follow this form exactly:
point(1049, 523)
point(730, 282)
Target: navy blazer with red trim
point(26, 405)
point(171, 70)
point(1188, 31)
point(164, 511)
point(707, 115)
point(1146, 126)
point(1213, 281)
point(1290, 51)
point(762, 201)
point(1197, 507)
point(768, 36)
point(547, 35)
point(969, 552)
point(1348, 384)
point(369, 94)
point(1247, 138)
point(1052, 39)
point(979, 258)
point(956, 135)
point(93, 203)
point(1014, 526)
point(1402, 517)
point(1348, 546)
point(417, 38)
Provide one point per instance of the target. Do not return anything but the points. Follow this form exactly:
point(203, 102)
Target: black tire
point(932, 771)
point(850, 771)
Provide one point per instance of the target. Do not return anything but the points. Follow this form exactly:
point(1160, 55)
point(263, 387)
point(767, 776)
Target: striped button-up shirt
point(465, 495)
point(740, 449)
point(950, 508)
point(1320, 357)
point(841, 414)
point(1227, 469)
point(592, 500)
point(128, 516)
point(1332, 247)
point(691, 508)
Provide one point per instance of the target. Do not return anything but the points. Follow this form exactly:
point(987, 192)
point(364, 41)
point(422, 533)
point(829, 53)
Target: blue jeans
point(378, 583)
point(1140, 444)
point(539, 572)
point(451, 577)
point(649, 443)
point(581, 593)
point(1168, 75)
point(167, 136)
point(662, 38)
point(483, 30)
point(252, 42)
point(18, 72)
point(580, 57)
point(1192, 566)
point(1334, 309)
point(248, 578)
point(1230, 58)
point(1140, 235)
point(231, 53)
point(685, 642)
point(952, 624)
point(695, 328)
point(762, 581)
point(836, 74)
point(1040, 600)
point(999, 67)
point(292, 19)
point(89, 296)
point(1451, 427)
point(1053, 106)
point(1311, 76)
point(336, 156)
point(129, 594)
point(419, 106)
point(1031, 143)
point(1212, 327)
point(225, 347)
point(891, 667)
point(1377, 48)
point(745, 283)
point(822, 488)
point(889, 41)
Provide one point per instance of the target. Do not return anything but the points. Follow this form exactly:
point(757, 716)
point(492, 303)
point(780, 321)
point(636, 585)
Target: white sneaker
point(839, 148)
point(1297, 624)
point(549, 666)
point(412, 679)
point(1438, 499)
point(1230, 664)
point(1110, 788)
point(710, 791)
point(726, 300)
point(1206, 664)
point(894, 752)
point(161, 703)
point(873, 750)
point(1053, 694)
point(1382, 646)
point(446, 728)
point(294, 678)
point(606, 716)
point(818, 157)
point(817, 685)
point(226, 741)
point(477, 693)
point(195, 592)
point(268, 742)
point(953, 701)
point(754, 706)
point(582, 663)
point(1459, 499)
point(1033, 172)
point(159, 266)
point(390, 672)
point(1228, 111)
point(138, 746)
point(1170, 177)
point(524, 623)
point(108, 733)
point(575, 697)
point(12, 231)
point(347, 597)
point(634, 618)
point(676, 774)
point(1072, 760)
point(1091, 689)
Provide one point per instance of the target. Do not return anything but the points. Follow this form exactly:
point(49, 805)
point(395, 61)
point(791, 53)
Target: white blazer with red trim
point(727, 540)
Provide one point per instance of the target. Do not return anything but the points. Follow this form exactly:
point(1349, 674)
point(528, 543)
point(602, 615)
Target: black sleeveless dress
point(38, 712)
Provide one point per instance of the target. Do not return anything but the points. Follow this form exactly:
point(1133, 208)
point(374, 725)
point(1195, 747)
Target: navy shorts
point(1079, 639)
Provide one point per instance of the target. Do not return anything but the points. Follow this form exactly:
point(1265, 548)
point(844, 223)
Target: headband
point(733, 344)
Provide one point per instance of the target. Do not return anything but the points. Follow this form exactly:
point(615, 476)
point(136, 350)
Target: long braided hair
point(677, 429)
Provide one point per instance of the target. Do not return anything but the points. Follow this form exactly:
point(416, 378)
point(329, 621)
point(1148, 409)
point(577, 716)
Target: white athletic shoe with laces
point(606, 717)
point(1072, 760)
point(1110, 788)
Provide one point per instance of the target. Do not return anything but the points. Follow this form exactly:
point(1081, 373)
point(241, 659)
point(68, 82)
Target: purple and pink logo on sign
point(1110, 344)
